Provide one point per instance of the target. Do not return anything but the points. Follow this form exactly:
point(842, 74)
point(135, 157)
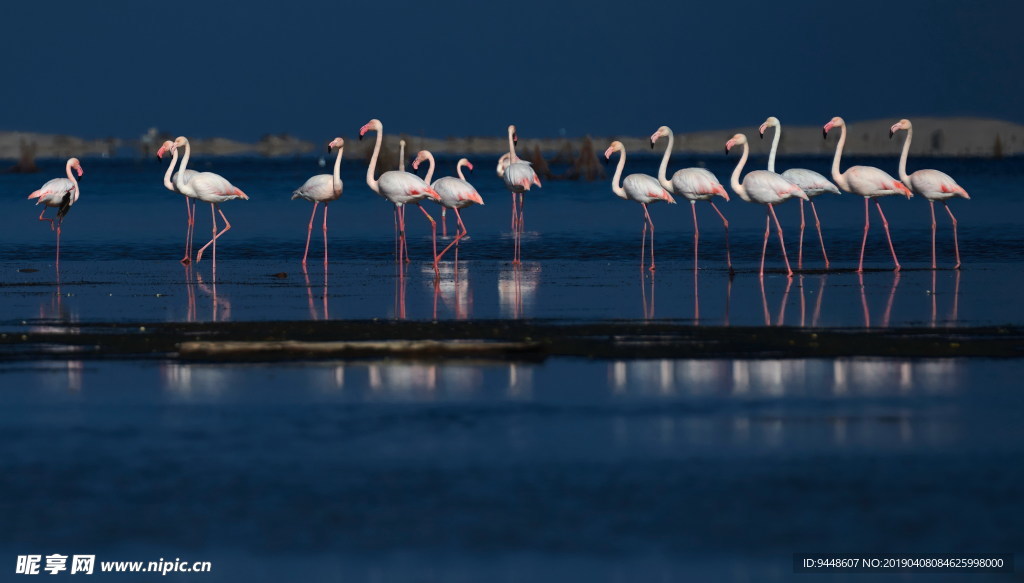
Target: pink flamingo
point(59, 193)
point(642, 188)
point(693, 184)
point(519, 177)
point(400, 188)
point(809, 181)
point(867, 181)
point(455, 193)
point(322, 188)
point(190, 209)
point(207, 187)
point(767, 188)
point(931, 184)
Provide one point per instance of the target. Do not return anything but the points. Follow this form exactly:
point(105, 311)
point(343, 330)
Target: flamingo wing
point(455, 192)
point(937, 185)
point(770, 188)
point(319, 188)
point(186, 177)
point(810, 181)
point(208, 185)
point(696, 182)
point(520, 176)
point(403, 187)
point(871, 181)
point(644, 188)
point(53, 192)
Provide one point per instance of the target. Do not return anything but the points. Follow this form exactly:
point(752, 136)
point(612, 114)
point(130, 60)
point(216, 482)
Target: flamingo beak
point(761, 130)
point(892, 131)
point(825, 129)
point(80, 171)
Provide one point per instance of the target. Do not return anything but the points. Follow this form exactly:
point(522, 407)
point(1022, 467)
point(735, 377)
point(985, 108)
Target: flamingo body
point(766, 187)
point(645, 189)
point(59, 193)
point(696, 184)
point(456, 193)
point(809, 181)
point(935, 185)
point(871, 182)
point(519, 176)
point(319, 188)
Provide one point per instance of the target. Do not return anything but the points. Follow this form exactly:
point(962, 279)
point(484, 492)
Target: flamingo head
point(771, 122)
point(335, 143)
point(180, 142)
point(512, 134)
point(373, 124)
point(615, 146)
point(165, 147)
point(737, 140)
point(74, 163)
point(835, 122)
point(466, 163)
point(903, 124)
point(503, 163)
point(662, 132)
point(421, 156)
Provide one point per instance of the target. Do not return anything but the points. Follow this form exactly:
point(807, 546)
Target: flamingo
point(642, 188)
point(207, 187)
point(455, 193)
point(693, 184)
point(59, 193)
point(322, 188)
point(809, 181)
point(931, 184)
point(519, 177)
point(867, 181)
point(400, 188)
point(190, 209)
point(767, 188)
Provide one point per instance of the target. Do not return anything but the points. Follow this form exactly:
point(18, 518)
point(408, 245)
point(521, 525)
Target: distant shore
point(960, 137)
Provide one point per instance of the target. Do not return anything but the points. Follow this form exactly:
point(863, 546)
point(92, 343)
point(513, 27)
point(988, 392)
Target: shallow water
point(605, 470)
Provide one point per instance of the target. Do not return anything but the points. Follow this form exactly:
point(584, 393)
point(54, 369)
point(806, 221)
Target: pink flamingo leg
point(696, 233)
point(885, 225)
point(867, 224)
point(460, 232)
point(325, 237)
point(188, 233)
point(817, 224)
point(433, 236)
point(956, 244)
point(309, 233)
point(864, 301)
point(405, 236)
point(649, 221)
point(515, 219)
point(764, 304)
point(522, 216)
point(931, 205)
point(59, 221)
point(728, 255)
point(444, 223)
point(216, 235)
point(42, 218)
point(800, 249)
point(764, 247)
point(789, 272)
point(643, 245)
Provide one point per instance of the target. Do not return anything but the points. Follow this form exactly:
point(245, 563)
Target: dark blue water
point(467, 471)
point(383, 471)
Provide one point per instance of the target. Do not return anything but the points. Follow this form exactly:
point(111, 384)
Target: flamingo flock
point(401, 188)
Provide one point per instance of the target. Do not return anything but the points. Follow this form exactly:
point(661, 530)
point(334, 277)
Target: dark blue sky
point(319, 69)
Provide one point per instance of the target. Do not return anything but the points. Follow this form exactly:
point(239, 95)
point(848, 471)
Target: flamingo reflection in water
point(816, 315)
point(220, 309)
point(453, 289)
point(888, 306)
point(517, 289)
point(782, 303)
point(696, 297)
point(954, 316)
point(313, 314)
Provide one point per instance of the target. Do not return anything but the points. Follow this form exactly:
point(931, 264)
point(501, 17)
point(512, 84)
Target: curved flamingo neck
point(170, 170)
point(430, 169)
point(903, 157)
point(71, 176)
point(336, 177)
point(512, 158)
point(616, 187)
point(737, 187)
point(458, 168)
point(663, 169)
point(836, 174)
point(370, 180)
point(184, 163)
point(775, 146)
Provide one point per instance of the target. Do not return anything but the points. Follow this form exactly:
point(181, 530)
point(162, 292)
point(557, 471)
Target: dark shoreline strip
point(492, 339)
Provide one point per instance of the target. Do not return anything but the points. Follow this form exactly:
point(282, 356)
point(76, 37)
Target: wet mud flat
point(493, 340)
